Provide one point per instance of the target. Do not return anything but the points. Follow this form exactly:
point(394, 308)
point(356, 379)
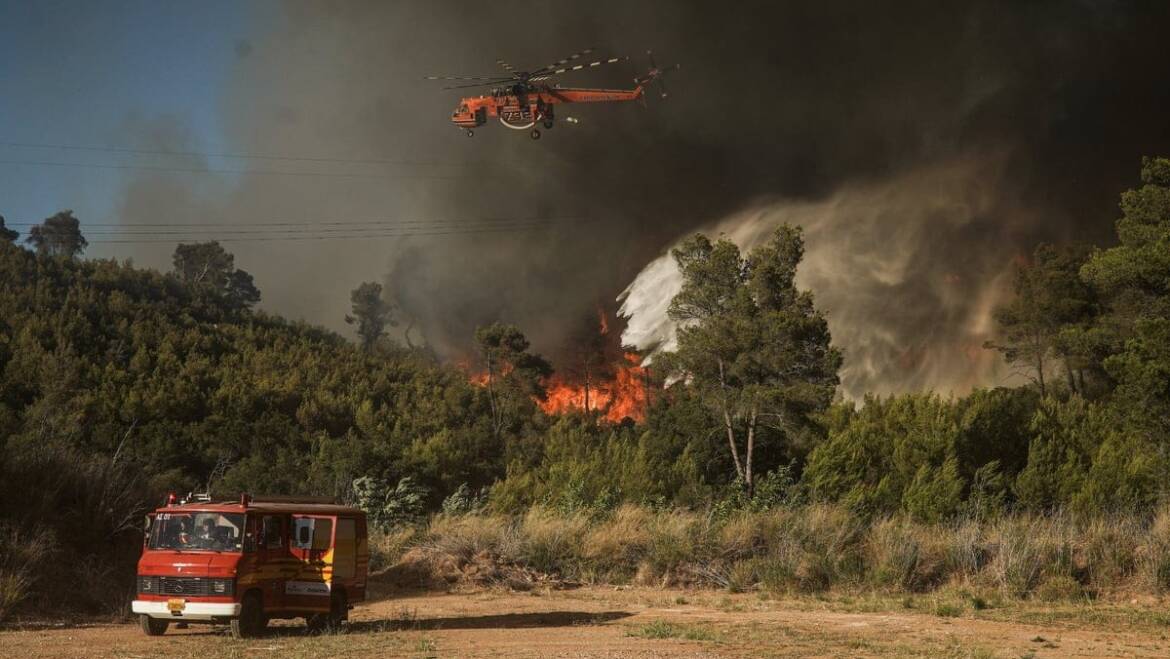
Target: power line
point(398, 234)
point(373, 222)
point(210, 170)
point(248, 156)
point(293, 232)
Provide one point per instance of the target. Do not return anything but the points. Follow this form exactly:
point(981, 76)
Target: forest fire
point(623, 396)
point(597, 378)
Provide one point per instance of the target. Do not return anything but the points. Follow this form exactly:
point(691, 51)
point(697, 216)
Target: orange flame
point(624, 396)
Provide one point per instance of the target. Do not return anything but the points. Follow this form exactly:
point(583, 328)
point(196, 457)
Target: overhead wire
point(351, 236)
point(334, 230)
point(213, 170)
point(238, 156)
point(380, 221)
point(151, 232)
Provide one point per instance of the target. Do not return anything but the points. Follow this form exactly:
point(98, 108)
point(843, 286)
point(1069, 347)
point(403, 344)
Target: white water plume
point(907, 270)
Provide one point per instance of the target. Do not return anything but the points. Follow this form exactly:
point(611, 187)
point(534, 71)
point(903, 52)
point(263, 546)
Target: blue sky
point(80, 73)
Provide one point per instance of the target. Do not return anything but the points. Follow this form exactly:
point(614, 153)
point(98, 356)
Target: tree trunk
point(586, 385)
point(492, 399)
point(749, 481)
point(728, 425)
point(1072, 380)
point(1039, 347)
point(406, 334)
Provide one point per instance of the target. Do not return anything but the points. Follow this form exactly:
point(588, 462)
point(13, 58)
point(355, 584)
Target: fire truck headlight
point(222, 586)
point(146, 584)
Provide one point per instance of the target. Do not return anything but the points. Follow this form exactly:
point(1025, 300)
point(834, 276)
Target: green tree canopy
point(1135, 275)
point(211, 266)
point(7, 235)
point(371, 313)
point(754, 347)
point(1048, 321)
point(59, 235)
point(514, 376)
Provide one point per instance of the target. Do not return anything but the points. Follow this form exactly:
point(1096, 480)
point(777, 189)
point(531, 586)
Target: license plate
point(176, 605)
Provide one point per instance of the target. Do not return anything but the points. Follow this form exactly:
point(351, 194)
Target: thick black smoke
point(774, 101)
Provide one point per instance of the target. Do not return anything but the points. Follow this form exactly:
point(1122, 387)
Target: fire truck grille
point(184, 586)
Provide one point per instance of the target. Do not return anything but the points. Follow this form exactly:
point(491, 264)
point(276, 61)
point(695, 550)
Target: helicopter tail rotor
point(656, 75)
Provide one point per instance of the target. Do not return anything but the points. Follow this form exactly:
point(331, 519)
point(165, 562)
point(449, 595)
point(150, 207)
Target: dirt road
point(604, 622)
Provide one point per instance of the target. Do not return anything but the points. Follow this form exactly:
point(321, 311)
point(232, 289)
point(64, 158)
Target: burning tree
point(753, 346)
point(587, 362)
point(514, 377)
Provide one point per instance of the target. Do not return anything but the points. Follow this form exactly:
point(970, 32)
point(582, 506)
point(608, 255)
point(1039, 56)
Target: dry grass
point(817, 548)
point(22, 557)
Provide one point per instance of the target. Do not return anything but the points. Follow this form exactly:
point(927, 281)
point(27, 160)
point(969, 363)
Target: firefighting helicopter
point(522, 99)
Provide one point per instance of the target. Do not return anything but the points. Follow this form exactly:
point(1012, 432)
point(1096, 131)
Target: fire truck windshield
point(194, 531)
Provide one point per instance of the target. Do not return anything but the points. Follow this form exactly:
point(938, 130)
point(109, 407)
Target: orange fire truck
point(246, 562)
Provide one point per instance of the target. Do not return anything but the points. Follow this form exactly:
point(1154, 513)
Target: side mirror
point(304, 536)
point(249, 542)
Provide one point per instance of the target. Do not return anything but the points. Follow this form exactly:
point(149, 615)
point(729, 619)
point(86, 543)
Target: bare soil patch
point(643, 622)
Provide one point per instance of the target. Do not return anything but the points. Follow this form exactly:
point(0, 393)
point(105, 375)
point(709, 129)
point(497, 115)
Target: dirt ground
point(641, 622)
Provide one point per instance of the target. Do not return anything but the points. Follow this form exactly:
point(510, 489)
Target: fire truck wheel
point(153, 626)
point(330, 622)
point(338, 609)
point(251, 620)
point(536, 133)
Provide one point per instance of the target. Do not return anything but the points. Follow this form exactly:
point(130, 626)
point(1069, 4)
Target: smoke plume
point(921, 146)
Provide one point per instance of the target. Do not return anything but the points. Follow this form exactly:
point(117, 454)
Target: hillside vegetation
point(118, 384)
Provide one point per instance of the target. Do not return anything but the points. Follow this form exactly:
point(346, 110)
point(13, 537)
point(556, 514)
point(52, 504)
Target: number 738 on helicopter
point(523, 99)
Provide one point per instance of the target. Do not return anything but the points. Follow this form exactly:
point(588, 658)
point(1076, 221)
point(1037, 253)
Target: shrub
point(616, 545)
point(463, 501)
point(21, 559)
point(1108, 551)
point(551, 542)
point(465, 536)
point(1027, 549)
point(390, 507)
point(386, 547)
point(966, 551)
point(1059, 587)
point(1154, 554)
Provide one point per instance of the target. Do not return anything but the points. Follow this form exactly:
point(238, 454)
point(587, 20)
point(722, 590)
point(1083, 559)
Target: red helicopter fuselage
point(524, 109)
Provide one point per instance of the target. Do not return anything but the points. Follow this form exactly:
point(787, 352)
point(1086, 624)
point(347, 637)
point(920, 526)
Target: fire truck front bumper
point(191, 610)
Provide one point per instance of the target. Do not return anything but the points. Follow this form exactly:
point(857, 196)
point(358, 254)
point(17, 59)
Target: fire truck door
point(272, 563)
point(312, 547)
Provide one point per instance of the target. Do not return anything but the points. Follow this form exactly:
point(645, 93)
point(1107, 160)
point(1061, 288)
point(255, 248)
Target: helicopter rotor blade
point(505, 66)
point(494, 76)
point(588, 65)
point(491, 83)
point(571, 58)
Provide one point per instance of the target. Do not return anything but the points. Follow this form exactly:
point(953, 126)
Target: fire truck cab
point(246, 562)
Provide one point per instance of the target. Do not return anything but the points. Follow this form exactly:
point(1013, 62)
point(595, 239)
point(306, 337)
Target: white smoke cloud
point(907, 270)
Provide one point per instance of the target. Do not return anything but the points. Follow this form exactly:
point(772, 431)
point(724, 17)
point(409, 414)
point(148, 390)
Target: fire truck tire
point(536, 133)
point(251, 620)
point(338, 613)
point(153, 626)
